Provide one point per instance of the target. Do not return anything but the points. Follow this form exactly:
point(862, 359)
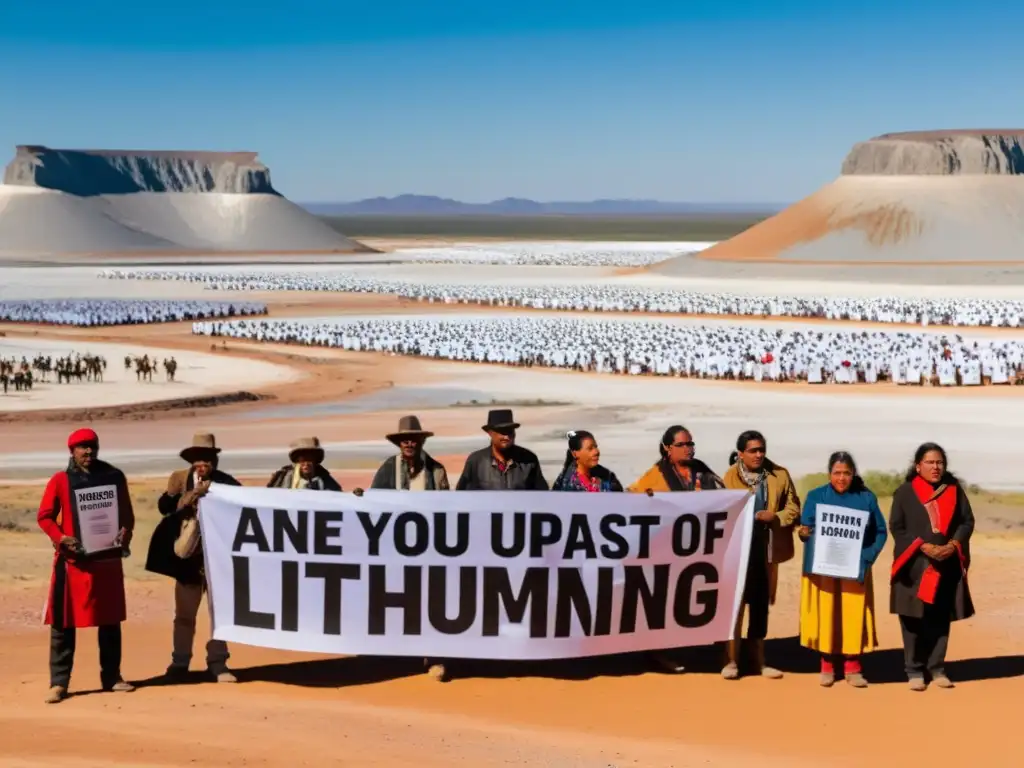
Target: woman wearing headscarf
point(931, 523)
point(306, 470)
point(676, 470)
point(837, 616)
point(582, 470)
point(776, 511)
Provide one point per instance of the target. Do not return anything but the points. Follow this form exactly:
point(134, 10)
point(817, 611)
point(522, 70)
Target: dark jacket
point(481, 472)
point(909, 522)
point(568, 480)
point(321, 480)
point(175, 503)
point(386, 477)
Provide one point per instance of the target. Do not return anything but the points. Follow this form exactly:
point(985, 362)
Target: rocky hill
point(87, 172)
point(938, 153)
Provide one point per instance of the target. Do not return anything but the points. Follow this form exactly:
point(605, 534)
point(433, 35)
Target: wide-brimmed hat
point(408, 426)
point(500, 419)
point(306, 445)
point(204, 447)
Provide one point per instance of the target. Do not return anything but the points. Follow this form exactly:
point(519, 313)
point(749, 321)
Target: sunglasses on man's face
point(684, 444)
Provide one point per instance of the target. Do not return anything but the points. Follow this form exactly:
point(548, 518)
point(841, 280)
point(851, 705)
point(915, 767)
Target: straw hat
point(306, 445)
point(203, 448)
point(408, 426)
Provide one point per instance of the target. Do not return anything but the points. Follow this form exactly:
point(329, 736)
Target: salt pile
point(919, 197)
point(57, 201)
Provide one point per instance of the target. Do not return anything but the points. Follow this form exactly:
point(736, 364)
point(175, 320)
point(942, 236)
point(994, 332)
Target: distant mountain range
point(430, 205)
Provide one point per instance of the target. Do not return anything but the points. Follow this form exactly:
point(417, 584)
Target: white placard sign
point(98, 517)
point(838, 541)
point(474, 574)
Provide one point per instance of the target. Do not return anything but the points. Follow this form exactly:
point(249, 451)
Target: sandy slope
point(44, 222)
point(892, 220)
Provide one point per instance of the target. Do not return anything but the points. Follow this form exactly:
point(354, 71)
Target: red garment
point(940, 508)
point(93, 590)
point(80, 436)
point(590, 484)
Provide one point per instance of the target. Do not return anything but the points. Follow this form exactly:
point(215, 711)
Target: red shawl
point(940, 504)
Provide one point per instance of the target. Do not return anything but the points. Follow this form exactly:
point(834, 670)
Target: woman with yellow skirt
point(837, 616)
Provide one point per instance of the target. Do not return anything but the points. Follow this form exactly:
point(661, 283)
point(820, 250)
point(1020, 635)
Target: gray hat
point(306, 445)
point(203, 448)
point(409, 426)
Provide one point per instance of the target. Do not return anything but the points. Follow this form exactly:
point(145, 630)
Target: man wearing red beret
point(87, 513)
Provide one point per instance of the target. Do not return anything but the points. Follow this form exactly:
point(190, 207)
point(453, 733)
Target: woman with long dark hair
point(582, 470)
point(776, 511)
point(677, 468)
point(931, 524)
point(837, 616)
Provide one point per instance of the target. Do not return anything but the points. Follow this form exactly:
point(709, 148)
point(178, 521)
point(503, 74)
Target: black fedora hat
point(500, 419)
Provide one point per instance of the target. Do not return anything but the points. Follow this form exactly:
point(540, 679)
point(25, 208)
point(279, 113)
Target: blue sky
point(699, 101)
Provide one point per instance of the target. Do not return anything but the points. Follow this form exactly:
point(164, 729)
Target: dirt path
point(300, 709)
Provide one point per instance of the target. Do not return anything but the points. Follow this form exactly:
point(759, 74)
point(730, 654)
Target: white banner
point(474, 574)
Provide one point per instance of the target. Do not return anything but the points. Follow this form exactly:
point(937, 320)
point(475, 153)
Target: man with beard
point(176, 551)
point(86, 587)
point(412, 469)
point(503, 465)
point(776, 512)
point(306, 470)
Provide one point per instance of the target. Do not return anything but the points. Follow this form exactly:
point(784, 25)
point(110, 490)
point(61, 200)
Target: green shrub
point(883, 484)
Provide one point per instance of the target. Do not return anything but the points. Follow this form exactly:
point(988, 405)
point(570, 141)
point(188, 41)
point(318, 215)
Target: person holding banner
point(776, 511)
point(86, 512)
point(843, 531)
point(677, 470)
point(503, 465)
point(931, 523)
point(305, 469)
point(582, 470)
point(412, 468)
point(176, 551)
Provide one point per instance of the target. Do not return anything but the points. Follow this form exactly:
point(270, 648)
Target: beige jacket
point(783, 502)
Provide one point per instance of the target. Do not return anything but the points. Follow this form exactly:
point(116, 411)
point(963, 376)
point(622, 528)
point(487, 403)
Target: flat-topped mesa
point(939, 153)
point(90, 172)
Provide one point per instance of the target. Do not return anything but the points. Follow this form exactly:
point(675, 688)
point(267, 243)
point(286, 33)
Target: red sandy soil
point(302, 709)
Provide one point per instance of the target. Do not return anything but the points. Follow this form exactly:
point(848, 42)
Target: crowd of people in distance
point(639, 347)
point(931, 524)
point(102, 312)
point(554, 254)
point(995, 313)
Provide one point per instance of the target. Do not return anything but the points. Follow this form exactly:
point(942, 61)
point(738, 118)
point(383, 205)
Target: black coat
point(436, 476)
point(322, 480)
point(909, 521)
point(523, 473)
point(161, 558)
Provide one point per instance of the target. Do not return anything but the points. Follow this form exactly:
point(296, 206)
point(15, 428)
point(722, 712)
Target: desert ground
point(301, 709)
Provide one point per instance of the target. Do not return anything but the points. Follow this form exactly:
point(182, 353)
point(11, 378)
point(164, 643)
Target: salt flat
point(197, 374)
